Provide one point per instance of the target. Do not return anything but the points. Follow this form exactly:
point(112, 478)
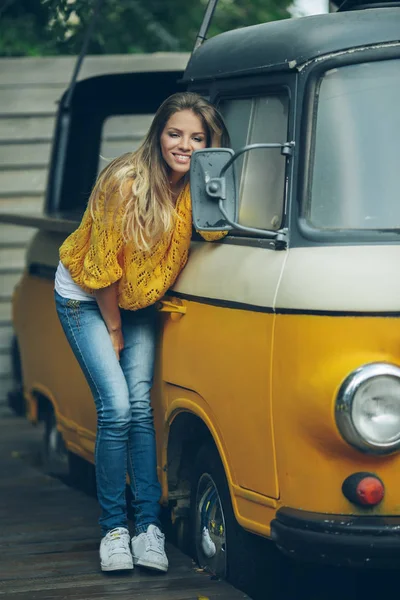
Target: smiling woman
point(129, 249)
point(183, 134)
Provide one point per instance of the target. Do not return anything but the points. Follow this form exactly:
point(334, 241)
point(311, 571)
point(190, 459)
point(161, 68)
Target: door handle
point(173, 306)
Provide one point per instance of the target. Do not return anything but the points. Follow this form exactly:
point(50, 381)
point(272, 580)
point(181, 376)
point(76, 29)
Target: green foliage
point(24, 28)
point(47, 27)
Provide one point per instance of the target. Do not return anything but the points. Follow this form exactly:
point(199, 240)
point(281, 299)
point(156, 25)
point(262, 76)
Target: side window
point(260, 173)
point(120, 134)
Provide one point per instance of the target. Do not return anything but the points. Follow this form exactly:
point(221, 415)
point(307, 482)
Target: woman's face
point(182, 135)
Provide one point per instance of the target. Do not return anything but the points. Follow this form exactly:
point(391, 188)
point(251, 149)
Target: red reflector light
point(364, 489)
point(370, 491)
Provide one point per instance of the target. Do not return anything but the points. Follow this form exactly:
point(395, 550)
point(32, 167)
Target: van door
point(221, 348)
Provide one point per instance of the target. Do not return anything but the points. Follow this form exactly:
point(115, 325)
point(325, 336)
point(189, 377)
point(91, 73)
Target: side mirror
point(215, 202)
point(205, 169)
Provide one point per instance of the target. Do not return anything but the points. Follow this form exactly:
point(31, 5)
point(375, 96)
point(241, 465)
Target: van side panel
point(223, 354)
point(221, 349)
point(48, 363)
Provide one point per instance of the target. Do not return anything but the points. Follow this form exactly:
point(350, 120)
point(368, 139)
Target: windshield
point(356, 169)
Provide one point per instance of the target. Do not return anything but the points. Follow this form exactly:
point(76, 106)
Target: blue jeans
point(125, 440)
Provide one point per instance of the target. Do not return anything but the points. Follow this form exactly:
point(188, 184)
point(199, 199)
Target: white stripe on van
point(331, 278)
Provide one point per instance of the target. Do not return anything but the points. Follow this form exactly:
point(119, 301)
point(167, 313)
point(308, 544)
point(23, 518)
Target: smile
point(181, 158)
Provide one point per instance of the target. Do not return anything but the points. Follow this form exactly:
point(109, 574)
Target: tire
point(81, 474)
point(54, 452)
point(240, 557)
point(63, 464)
point(16, 400)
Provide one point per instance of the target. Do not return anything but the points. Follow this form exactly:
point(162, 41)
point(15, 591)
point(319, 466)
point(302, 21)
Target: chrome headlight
point(368, 408)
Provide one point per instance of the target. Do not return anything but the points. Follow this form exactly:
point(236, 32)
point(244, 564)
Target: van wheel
point(215, 529)
point(81, 474)
point(220, 545)
point(16, 400)
point(54, 452)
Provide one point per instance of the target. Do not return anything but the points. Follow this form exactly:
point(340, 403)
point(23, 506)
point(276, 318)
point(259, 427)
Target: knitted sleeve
point(212, 236)
point(101, 266)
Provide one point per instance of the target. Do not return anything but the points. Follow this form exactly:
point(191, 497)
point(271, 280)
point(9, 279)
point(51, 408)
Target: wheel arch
point(188, 430)
point(41, 400)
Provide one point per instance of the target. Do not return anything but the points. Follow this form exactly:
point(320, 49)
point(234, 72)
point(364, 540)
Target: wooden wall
point(29, 91)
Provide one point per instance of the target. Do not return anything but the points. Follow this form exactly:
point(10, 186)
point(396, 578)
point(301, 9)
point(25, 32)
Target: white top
point(67, 288)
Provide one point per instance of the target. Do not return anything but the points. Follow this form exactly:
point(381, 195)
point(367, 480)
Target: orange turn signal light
point(363, 489)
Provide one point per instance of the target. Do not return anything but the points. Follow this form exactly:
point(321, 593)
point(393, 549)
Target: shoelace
point(118, 542)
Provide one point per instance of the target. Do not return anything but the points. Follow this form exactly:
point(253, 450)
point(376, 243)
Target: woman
point(130, 247)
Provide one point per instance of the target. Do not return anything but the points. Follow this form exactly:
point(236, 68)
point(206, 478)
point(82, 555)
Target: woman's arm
point(212, 236)
point(107, 300)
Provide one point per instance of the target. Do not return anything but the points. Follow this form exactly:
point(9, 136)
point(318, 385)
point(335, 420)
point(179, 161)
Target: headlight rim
point(344, 403)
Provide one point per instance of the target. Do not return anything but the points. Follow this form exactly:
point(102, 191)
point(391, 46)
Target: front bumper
point(340, 540)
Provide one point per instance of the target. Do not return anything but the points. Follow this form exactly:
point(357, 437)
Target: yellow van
point(277, 396)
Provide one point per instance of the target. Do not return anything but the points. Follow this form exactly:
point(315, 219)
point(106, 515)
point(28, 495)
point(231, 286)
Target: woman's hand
point(117, 341)
point(107, 300)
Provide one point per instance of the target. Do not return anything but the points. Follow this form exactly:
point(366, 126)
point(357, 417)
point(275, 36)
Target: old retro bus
point(277, 396)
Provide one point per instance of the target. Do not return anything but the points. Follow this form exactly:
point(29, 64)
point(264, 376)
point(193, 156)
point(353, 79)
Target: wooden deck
point(49, 538)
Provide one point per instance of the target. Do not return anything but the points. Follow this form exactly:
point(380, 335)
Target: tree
point(46, 27)
point(24, 28)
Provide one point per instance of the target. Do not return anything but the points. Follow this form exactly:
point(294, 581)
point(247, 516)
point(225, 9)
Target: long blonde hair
point(141, 177)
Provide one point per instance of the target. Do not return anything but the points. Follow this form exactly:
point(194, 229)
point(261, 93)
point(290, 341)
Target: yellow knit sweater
point(97, 256)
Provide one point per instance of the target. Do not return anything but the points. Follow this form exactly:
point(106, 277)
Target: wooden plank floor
point(49, 538)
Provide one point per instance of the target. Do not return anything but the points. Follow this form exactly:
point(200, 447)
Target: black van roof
point(286, 44)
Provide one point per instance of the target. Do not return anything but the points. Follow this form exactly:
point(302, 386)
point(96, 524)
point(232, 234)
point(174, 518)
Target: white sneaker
point(115, 553)
point(148, 549)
